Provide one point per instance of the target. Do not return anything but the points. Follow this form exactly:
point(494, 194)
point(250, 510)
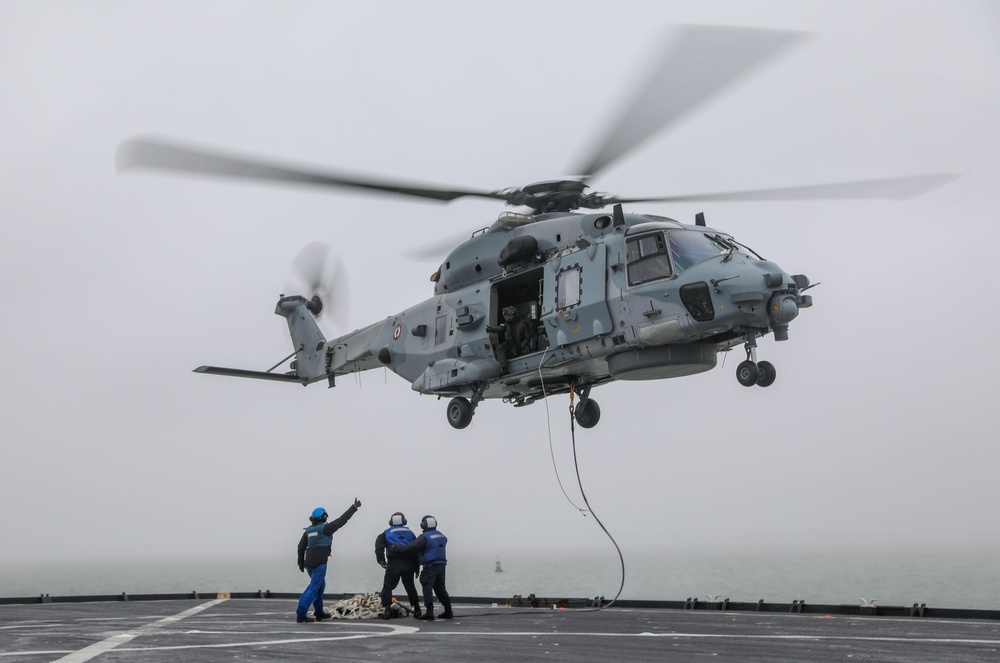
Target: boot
point(429, 615)
point(447, 614)
point(416, 612)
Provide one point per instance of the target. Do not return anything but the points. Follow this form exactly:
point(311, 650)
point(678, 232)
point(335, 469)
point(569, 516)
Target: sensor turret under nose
point(782, 309)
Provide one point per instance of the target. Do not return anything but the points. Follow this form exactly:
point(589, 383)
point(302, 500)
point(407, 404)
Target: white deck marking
point(107, 644)
point(113, 642)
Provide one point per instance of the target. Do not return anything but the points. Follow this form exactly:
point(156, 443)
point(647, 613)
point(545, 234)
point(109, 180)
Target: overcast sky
point(879, 430)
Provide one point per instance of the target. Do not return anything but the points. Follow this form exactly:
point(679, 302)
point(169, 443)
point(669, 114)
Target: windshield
point(689, 247)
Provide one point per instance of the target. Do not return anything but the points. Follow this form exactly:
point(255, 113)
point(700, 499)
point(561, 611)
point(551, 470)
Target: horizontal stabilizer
point(257, 375)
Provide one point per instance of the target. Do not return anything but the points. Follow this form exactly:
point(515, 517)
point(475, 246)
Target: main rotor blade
point(701, 62)
point(154, 154)
point(894, 188)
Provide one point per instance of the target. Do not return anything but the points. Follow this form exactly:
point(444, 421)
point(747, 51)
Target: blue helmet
point(319, 513)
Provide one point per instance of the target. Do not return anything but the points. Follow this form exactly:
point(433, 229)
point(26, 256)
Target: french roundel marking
point(397, 331)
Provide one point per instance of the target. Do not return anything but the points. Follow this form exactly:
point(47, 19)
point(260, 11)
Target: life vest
point(434, 552)
point(398, 536)
point(315, 538)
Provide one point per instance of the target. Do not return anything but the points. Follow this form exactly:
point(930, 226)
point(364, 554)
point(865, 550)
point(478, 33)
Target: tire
point(747, 373)
point(765, 374)
point(459, 412)
point(587, 413)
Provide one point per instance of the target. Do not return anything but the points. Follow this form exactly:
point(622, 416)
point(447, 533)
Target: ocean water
point(938, 579)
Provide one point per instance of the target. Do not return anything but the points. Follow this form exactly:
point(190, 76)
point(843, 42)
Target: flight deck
point(216, 628)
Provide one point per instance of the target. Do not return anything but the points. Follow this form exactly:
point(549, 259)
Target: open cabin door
point(574, 300)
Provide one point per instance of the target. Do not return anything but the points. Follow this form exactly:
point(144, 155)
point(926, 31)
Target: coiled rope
point(359, 606)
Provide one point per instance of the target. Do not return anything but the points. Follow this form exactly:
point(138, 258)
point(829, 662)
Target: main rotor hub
point(554, 196)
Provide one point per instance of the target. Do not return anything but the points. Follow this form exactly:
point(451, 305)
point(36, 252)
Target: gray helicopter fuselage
point(633, 297)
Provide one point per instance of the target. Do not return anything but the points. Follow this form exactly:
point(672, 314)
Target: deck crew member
point(398, 566)
point(430, 547)
point(314, 551)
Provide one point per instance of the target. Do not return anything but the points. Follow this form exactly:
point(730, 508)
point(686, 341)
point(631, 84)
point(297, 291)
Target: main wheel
point(765, 374)
point(747, 373)
point(459, 412)
point(587, 413)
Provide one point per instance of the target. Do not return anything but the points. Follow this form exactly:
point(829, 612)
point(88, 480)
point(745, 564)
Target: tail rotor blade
point(318, 271)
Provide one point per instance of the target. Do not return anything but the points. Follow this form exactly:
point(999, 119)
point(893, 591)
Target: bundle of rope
point(367, 606)
point(359, 606)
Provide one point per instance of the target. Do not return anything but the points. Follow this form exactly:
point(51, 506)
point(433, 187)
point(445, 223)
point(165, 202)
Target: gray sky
point(877, 431)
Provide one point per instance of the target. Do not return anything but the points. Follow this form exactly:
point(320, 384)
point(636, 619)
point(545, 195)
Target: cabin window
point(440, 329)
point(568, 288)
point(647, 258)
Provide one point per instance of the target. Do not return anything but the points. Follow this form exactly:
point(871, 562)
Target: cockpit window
point(647, 259)
point(690, 247)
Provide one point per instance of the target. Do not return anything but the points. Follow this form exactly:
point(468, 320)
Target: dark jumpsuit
point(431, 547)
point(400, 566)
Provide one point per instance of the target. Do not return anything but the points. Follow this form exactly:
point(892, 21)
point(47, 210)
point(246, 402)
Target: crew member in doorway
point(314, 551)
point(515, 335)
point(430, 548)
point(398, 566)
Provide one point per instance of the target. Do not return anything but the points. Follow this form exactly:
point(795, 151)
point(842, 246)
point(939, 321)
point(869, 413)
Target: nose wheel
point(750, 372)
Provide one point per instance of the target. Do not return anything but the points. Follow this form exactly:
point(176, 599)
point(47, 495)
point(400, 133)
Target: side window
point(568, 288)
point(647, 259)
point(440, 329)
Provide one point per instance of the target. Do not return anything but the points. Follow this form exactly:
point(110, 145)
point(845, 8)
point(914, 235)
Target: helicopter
point(597, 295)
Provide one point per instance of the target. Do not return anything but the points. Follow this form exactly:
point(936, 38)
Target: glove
point(383, 565)
point(357, 503)
point(302, 568)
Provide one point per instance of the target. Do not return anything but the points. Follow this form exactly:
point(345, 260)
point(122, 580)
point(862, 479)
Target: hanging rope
point(548, 421)
point(576, 465)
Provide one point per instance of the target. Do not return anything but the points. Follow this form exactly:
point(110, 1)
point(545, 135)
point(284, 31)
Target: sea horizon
point(940, 578)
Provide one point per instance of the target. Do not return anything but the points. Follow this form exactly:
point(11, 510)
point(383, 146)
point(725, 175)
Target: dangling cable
point(579, 481)
point(548, 422)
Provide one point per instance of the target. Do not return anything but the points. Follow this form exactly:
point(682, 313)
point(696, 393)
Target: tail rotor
point(319, 275)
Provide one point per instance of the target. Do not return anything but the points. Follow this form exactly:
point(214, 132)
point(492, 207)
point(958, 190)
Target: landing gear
point(460, 409)
point(766, 374)
point(587, 413)
point(749, 372)
point(460, 412)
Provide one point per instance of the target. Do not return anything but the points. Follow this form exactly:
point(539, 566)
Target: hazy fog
point(876, 433)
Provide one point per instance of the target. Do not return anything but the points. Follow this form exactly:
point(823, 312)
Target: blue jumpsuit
point(314, 550)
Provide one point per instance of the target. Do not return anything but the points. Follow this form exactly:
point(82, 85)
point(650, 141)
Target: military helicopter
point(595, 296)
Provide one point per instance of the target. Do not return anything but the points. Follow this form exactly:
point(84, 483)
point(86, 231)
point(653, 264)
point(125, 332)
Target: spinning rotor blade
point(701, 62)
point(893, 188)
point(318, 271)
point(154, 154)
